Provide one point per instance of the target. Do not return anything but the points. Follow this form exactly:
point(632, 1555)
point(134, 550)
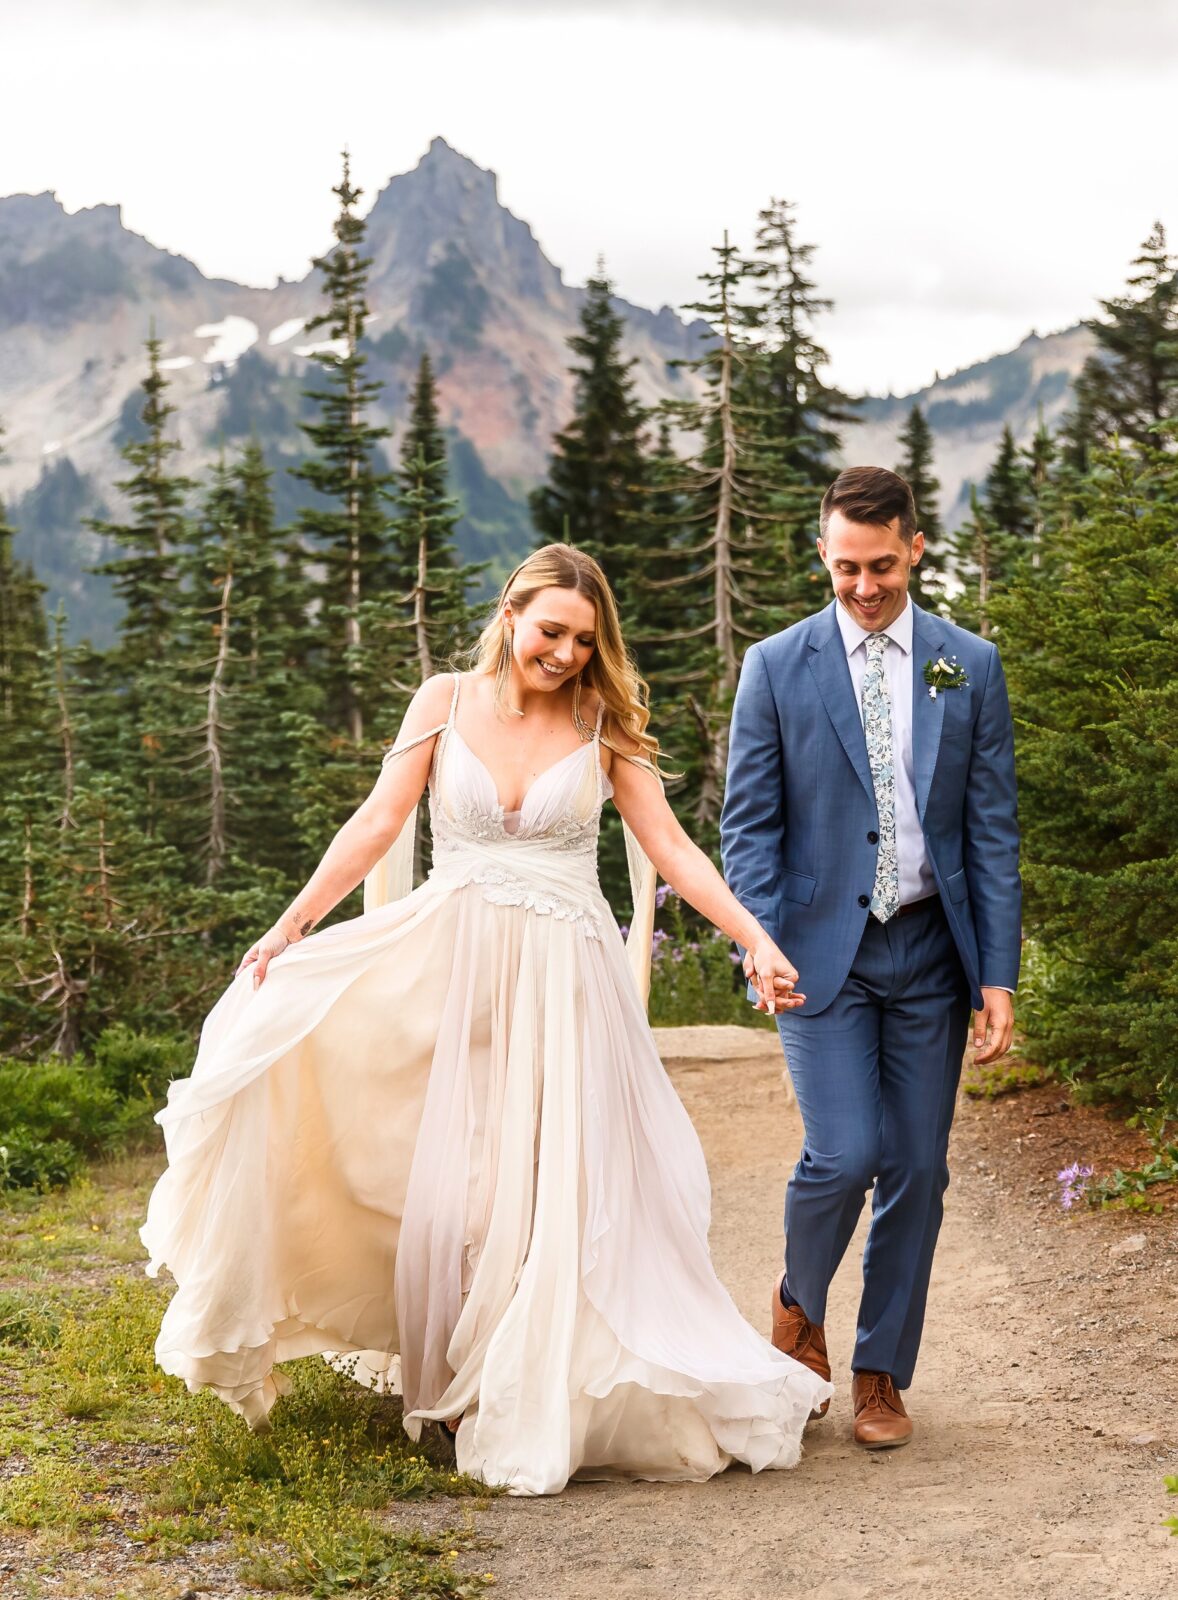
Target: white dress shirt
point(915, 870)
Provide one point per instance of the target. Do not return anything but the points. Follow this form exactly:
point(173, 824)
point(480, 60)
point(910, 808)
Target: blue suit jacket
point(799, 803)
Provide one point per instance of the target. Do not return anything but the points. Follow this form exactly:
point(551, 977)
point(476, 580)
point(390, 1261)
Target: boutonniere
point(942, 674)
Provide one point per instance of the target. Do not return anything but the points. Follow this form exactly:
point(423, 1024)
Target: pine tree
point(271, 559)
point(139, 711)
point(1008, 496)
point(146, 577)
point(976, 562)
point(916, 468)
point(1091, 654)
point(805, 415)
point(435, 584)
point(351, 534)
point(22, 642)
point(1132, 379)
point(723, 584)
point(594, 493)
point(242, 700)
point(1040, 456)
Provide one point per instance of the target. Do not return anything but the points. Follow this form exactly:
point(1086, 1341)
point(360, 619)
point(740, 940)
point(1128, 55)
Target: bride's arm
point(367, 833)
point(639, 797)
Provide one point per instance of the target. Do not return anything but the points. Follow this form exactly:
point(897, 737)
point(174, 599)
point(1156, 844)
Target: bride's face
point(552, 637)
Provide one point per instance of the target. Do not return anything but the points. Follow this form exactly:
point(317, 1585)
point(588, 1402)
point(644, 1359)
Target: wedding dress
point(438, 1142)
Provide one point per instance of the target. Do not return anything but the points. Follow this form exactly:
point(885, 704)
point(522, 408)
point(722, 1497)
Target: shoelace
point(878, 1391)
point(803, 1338)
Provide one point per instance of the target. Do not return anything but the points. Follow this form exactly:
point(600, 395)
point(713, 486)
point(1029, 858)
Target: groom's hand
point(993, 1025)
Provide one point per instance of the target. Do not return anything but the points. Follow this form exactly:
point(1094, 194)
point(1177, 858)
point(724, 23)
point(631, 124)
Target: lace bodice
point(544, 856)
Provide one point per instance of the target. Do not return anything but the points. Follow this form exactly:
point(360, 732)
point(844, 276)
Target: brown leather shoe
point(881, 1423)
point(795, 1335)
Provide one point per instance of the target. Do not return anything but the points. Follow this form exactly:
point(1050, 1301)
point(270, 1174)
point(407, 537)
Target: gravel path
point(1045, 1402)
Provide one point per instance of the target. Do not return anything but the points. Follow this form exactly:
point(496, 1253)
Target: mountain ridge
point(454, 272)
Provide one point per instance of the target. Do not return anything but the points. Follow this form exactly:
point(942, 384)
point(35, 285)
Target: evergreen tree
point(146, 577)
point(242, 699)
point(594, 494)
point(1077, 437)
point(105, 929)
point(139, 712)
point(350, 534)
point(435, 585)
point(1008, 496)
point(916, 468)
point(271, 557)
point(723, 585)
point(805, 414)
point(1091, 653)
point(22, 642)
point(976, 562)
point(1132, 379)
point(1040, 456)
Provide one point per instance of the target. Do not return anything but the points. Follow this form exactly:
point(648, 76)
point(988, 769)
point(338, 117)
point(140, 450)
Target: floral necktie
point(877, 727)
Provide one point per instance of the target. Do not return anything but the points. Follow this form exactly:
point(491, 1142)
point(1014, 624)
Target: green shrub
point(27, 1162)
point(140, 1066)
point(693, 975)
point(55, 1114)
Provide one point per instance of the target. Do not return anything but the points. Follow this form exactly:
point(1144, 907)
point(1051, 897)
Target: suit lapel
point(928, 642)
point(828, 663)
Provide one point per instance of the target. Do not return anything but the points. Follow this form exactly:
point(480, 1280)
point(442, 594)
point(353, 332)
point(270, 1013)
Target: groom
point(870, 824)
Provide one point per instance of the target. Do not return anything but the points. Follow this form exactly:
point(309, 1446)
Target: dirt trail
point(1045, 1403)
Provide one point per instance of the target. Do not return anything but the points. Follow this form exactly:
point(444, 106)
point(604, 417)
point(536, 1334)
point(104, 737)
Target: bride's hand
point(260, 955)
point(773, 976)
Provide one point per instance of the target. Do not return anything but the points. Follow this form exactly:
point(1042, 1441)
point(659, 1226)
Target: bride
point(436, 1143)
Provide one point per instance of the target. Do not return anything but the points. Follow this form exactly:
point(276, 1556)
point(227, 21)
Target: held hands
point(260, 955)
point(773, 976)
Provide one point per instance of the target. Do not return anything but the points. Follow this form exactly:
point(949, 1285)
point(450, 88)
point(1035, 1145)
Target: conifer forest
point(162, 800)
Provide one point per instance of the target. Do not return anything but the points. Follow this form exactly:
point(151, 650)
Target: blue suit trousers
point(876, 1077)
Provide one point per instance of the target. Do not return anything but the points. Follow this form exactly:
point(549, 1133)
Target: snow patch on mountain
point(336, 347)
point(231, 338)
point(286, 330)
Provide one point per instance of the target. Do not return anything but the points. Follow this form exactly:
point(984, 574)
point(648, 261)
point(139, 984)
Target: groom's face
point(869, 565)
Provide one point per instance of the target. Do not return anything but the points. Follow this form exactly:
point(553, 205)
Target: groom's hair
point(873, 495)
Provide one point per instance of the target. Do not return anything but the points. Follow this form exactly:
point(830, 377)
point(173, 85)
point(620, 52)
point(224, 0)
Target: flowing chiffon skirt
point(438, 1144)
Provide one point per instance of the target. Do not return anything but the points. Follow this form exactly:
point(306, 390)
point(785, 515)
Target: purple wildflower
point(1074, 1184)
point(662, 894)
point(657, 940)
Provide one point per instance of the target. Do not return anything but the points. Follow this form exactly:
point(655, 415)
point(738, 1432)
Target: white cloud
point(956, 202)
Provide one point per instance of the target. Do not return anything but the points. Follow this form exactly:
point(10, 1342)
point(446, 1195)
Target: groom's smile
point(869, 565)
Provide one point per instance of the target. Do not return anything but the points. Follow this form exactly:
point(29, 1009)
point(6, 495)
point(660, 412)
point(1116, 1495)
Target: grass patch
point(108, 1455)
point(988, 1081)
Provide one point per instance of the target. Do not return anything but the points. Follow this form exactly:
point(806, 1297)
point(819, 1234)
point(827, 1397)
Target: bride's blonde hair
point(610, 670)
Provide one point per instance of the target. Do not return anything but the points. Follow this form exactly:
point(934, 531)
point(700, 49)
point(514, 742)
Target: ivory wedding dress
point(438, 1142)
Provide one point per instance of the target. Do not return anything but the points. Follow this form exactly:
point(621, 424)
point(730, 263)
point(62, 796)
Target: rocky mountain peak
point(445, 216)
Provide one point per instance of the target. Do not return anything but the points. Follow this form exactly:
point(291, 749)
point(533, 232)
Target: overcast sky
point(968, 171)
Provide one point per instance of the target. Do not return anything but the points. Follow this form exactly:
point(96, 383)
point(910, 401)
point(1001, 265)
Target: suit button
point(864, 900)
point(873, 837)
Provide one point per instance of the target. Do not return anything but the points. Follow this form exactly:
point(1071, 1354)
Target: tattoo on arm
point(305, 928)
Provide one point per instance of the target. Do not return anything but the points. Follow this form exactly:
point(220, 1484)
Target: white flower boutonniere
point(942, 674)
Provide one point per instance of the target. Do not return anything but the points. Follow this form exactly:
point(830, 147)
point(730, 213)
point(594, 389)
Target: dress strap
point(431, 733)
point(411, 744)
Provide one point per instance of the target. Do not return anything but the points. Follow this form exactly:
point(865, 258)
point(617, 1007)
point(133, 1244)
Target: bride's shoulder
point(429, 708)
point(434, 695)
